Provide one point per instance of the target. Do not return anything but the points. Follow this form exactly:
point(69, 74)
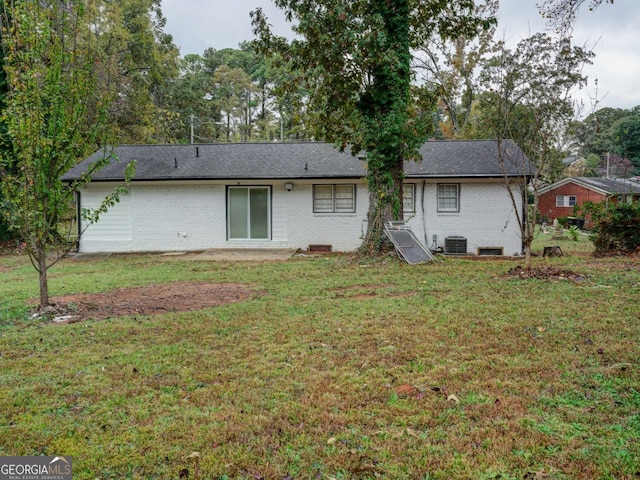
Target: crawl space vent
point(490, 251)
point(319, 249)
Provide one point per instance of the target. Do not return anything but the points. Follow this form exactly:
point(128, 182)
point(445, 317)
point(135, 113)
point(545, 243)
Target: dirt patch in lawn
point(149, 300)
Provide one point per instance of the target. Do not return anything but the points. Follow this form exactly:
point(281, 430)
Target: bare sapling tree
point(527, 99)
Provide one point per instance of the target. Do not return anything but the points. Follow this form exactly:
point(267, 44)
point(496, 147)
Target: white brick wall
point(344, 231)
point(165, 217)
point(486, 217)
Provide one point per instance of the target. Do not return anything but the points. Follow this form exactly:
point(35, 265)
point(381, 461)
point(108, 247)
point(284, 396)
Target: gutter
point(247, 179)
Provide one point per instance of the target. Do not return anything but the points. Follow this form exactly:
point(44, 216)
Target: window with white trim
point(409, 198)
point(448, 197)
point(565, 200)
point(334, 198)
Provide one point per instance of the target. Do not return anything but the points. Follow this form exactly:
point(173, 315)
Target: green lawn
point(336, 368)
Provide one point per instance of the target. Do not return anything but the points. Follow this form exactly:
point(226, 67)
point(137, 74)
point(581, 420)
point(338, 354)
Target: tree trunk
point(528, 234)
point(527, 256)
point(42, 277)
point(385, 205)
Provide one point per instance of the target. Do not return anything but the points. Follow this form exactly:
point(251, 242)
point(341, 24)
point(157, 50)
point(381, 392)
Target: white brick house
point(293, 195)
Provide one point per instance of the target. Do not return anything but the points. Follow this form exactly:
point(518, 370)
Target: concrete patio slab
point(243, 254)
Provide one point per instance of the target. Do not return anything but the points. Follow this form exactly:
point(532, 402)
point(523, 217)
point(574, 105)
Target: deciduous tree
point(593, 134)
point(452, 65)
point(626, 134)
point(55, 114)
point(355, 57)
point(528, 100)
point(610, 131)
point(141, 59)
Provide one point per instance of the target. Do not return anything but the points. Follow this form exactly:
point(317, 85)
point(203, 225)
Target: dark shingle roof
point(606, 186)
point(611, 185)
point(462, 158)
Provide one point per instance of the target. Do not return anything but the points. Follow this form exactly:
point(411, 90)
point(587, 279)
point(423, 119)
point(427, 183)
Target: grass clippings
point(545, 272)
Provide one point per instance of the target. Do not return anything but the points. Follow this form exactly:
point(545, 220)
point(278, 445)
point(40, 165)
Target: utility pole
point(191, 125)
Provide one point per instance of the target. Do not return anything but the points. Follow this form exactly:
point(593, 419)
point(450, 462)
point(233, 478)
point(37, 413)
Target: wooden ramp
point(407, 244)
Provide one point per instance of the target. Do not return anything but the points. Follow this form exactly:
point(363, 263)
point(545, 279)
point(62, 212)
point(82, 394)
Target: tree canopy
point(610, 133)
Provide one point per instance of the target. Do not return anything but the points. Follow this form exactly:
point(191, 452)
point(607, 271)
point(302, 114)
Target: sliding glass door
point(249, 213)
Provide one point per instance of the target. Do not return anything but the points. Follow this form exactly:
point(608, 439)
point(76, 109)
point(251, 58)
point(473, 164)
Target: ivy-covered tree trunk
point(384, 109)
point(385, 204)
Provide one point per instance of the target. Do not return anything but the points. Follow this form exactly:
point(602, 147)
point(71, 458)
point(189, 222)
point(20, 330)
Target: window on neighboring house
point(448, 197)
point(334, 198)
point(409, 197)
point(565, 200)
point(249, 212)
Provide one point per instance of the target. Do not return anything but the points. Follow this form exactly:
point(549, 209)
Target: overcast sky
point(611, 31)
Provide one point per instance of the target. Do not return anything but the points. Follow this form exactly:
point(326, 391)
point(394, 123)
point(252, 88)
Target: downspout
point(78, 220)
point(424, 218)
point(525, 214)
point(607, 198)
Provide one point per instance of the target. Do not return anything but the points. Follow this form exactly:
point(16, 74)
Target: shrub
point(616, 227)
point(573, 233)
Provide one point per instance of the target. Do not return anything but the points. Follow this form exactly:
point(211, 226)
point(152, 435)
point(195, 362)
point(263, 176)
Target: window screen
point(409, 198)
point(448, 197)
point(334, 198)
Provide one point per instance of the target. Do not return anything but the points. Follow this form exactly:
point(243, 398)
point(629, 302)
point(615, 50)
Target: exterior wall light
point(288, 187)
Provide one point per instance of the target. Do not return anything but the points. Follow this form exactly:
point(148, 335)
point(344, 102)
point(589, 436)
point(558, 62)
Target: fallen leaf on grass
point(453, 398)
point(194, 455)
point(407, 390)
point(331, 441)
point(413, 433)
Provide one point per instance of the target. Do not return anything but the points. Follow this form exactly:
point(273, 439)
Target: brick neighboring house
point(559, 199)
